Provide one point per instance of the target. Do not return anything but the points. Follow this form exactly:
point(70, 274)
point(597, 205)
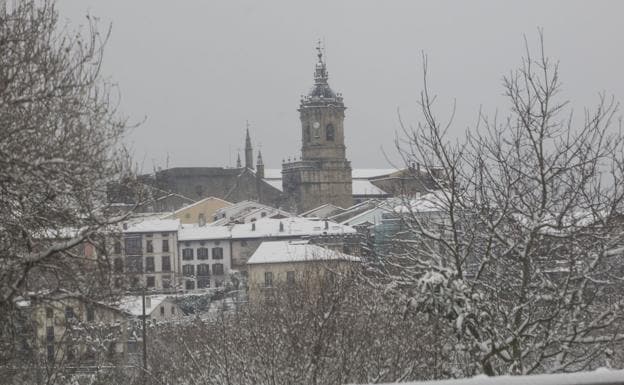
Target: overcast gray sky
point(197, 70)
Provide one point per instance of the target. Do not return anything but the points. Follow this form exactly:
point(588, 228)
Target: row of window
point(268, 278)
point(69, 314)
point(188, 254)
point(203, 270)
point(134, 246)
point(150, 282)
point(202, 282)
point(134, 264)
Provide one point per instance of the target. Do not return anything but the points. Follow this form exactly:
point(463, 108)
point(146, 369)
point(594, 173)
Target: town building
point(74, 331)
point(147, 255)
point(206, 256)
point(201, 212)
point(280, 265)
point(209, 254)
point(246, 238)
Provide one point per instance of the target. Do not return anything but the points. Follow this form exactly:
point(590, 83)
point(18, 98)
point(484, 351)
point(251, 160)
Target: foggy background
point(197, 70)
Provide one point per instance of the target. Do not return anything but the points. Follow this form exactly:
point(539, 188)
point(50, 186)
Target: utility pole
point(144, 339)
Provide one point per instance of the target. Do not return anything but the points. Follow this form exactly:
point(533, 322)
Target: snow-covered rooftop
point(325, 207)
point(430, 202)
point(277, 183)
point(153, 226)
point(265, 228)
point(293, 226)
point(134, 304)
point(365, 173)
point(188, 233)
point(365, 187)
point(200, 202)
point(273, 173)
point(295, 251)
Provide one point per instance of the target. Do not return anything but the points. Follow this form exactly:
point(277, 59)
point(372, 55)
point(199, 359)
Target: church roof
point(360, 185)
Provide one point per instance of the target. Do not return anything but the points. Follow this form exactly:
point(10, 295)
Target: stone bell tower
point(323, 175)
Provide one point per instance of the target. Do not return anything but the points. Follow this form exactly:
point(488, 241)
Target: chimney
point(253, 226)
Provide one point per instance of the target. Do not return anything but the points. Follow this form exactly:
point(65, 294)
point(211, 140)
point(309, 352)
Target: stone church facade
point(323, 175)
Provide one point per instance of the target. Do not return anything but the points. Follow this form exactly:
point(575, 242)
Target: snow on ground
point(601, 376)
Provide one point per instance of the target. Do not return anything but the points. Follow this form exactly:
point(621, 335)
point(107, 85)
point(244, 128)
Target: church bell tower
point(323, 175)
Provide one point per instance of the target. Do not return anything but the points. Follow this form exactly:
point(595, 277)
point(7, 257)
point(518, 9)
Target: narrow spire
point(260, 165)
point(238, 161)
point(248, 149)
point(320, 72)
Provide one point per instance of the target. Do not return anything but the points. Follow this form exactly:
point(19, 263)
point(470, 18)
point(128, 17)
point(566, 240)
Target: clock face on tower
point(316, 125)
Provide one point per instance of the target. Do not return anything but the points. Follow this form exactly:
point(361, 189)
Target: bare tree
point(316, 331)
point(59, 148)
point(521, 260)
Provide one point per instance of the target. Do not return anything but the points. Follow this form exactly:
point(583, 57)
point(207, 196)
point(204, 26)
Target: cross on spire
point(319, 50)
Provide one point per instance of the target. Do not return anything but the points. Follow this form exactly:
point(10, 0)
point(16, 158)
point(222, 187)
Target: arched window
point(330, 134)
point(306, 134)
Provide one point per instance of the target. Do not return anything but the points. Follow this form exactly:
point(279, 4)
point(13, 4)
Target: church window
point(330, 133)
point(317, 132)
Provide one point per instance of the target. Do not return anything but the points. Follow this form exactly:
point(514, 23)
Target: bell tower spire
point(248, 149)
point(322, 117)
point(320, 73)
point(323, 175)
